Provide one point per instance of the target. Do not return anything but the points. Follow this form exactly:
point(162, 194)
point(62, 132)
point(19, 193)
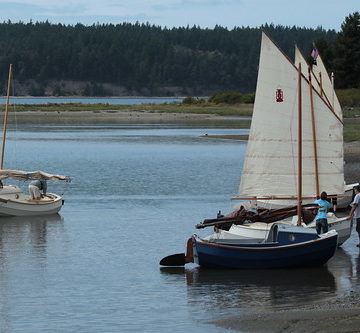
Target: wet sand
point(341, 315)
point(352, 162)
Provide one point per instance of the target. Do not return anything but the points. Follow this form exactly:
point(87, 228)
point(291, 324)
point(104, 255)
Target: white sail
point(320, 80)
point(271, 167)
point(319, 71)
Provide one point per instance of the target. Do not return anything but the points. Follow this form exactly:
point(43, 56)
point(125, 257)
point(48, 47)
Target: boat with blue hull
point(288, 159)
point(286, 247)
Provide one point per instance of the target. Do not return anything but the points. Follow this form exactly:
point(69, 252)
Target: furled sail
point(33, 175)
point(270, 167)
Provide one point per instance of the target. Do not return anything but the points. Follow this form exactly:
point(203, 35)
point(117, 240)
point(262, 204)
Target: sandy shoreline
point(104, 116)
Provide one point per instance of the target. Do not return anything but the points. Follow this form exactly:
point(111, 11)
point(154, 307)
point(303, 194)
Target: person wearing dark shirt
point(35, 188)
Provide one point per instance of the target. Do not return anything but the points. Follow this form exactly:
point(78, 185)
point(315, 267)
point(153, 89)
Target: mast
point(314, 135)
point(321, 85)
point(5, 118)
point(299, 199)
point(333, 90)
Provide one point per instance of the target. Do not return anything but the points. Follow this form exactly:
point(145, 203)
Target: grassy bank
point(205, 108)
point(352, 130)
point(241, 110)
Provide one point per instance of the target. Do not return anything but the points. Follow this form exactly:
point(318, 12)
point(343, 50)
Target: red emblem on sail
point(279, 95)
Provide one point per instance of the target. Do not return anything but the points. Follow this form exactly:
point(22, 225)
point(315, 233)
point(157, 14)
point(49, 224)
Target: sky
point(328, 14)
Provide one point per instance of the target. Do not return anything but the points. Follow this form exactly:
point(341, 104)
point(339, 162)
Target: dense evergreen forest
point(143, 59)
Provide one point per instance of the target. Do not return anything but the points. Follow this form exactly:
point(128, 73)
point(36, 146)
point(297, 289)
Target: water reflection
point(341, 267)
point(24, 261)
point(357, 272)
point(29, 232)
point(223, 289)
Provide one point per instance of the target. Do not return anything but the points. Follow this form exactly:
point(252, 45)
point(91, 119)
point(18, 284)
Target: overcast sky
point(174, 13)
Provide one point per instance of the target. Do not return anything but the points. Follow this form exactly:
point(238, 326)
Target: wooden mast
point(299, 199)
point(314, 135)
point(321, 85)
point(5, 118)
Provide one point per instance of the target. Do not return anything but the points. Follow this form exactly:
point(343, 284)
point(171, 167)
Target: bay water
point(137, 192)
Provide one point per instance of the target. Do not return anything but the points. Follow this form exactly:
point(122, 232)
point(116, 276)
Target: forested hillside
point(139, 59)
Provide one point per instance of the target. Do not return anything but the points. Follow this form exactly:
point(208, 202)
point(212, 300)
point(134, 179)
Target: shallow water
point(136, 194)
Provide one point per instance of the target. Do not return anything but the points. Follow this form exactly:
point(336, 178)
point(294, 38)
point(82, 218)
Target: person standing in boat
point(35, 187)
point(355, 210)
point(321, 217)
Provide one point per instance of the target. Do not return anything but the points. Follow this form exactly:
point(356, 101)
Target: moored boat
point(13, 201)
point(309, 155)
point(290, 157)
point(289, 248)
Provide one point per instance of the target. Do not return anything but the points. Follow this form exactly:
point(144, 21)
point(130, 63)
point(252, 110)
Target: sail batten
point(270, 166)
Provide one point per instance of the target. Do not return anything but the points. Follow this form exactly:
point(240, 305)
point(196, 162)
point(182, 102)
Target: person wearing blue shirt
point(321, 217)
point(35, 187)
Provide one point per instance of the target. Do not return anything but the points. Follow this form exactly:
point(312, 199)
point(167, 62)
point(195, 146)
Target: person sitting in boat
point(355, 210)
point(321, 217)
point(35, 187)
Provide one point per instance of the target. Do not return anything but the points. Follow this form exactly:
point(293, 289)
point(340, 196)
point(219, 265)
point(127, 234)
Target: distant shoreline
point(102, 116)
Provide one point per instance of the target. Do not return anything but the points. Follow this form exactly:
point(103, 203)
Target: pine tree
point(347, 50)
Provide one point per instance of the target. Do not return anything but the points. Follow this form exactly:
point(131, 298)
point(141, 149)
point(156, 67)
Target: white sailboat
point(13, 201)
point(295, 146)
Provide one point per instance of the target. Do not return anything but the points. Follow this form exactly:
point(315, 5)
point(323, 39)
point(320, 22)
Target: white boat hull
point(260, 230)
point(13, 202)
point(342, 226)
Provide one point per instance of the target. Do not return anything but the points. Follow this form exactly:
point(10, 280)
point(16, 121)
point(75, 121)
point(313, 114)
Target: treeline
point(349, 98)
point(143, 59)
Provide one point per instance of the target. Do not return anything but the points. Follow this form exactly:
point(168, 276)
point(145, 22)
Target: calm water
point(92, 100)
point(138, 191)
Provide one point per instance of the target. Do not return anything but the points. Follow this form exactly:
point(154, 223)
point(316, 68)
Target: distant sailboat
point(13, 202)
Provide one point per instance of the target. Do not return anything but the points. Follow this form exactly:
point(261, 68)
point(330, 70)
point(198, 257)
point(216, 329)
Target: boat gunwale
point(33, 202)
point(199, 240)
